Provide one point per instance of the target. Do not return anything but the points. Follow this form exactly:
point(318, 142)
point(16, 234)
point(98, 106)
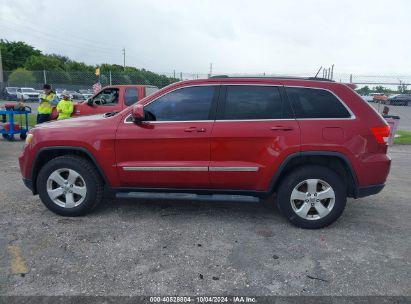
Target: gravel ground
point(192, 248)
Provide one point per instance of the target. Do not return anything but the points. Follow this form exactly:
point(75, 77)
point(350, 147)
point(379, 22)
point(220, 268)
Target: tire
point(23, 136)
point(70, 173)
point(296, 185)
point(9, 137)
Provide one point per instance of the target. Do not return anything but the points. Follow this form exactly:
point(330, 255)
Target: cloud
point(236, 36)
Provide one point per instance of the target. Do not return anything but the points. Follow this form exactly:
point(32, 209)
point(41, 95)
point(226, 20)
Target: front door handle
point(281, 128)
point(190, 129)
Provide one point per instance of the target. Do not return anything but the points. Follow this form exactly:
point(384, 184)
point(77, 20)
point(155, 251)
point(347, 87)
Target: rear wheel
point(312, 197)
point(69, 186)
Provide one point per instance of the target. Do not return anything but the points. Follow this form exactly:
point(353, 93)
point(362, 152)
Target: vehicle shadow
point(172, 208)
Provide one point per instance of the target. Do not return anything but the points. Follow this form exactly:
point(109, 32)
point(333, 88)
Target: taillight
point(381, 134)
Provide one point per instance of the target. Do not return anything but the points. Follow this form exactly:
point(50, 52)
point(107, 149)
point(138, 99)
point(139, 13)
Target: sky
point(368, 37)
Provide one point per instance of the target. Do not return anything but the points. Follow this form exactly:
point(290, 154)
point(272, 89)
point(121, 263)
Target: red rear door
point(254, 132)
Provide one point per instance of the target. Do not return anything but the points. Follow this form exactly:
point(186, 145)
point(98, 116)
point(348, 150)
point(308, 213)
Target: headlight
point(29, 138)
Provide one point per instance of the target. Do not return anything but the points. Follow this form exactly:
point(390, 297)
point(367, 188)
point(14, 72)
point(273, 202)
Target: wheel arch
point(46, 154)
point(333, 160)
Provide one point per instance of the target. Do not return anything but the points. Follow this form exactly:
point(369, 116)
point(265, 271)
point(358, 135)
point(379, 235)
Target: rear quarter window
point(316, 103)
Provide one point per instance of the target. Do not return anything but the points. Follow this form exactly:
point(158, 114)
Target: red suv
point(312, 142)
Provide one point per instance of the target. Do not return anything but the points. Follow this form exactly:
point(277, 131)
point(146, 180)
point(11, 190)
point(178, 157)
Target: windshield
point(27, 90)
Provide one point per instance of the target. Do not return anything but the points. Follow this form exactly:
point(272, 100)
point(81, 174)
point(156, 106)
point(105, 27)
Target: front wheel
point(69, 185)
point(312, 197)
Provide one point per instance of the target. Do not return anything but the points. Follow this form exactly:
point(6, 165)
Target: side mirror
point(90, 101)
point(137, 112)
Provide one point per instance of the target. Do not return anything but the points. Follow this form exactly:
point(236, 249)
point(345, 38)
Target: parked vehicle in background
point(75, 96)
point(379, 97)
point(312, 142)
point(85, 91)
point(368, 98)
point(27, 94)
point(58, 92)
point(399, 99)
point(87, 95)
point(10, 93)
point(110, 99)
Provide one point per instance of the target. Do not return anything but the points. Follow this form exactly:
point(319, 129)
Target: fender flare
point(64, 148)
point(293, 156)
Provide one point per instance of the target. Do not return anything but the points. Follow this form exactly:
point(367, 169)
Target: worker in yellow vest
point(47, 101)
point(65, 106)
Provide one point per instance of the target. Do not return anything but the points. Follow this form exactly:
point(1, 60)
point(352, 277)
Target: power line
point(53, 33)
point(64, 42)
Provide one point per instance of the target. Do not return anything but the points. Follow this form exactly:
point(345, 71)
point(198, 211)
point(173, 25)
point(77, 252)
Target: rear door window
point(316, 103)
point(248, 102)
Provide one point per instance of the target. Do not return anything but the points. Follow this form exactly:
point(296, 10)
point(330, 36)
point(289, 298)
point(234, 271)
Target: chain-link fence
point(75, 80)
point(84, 80)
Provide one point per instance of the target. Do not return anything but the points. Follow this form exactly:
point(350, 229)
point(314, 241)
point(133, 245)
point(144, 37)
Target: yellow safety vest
point(66, 108)
point(46, 106)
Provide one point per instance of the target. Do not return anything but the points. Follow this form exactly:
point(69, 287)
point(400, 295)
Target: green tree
point(21, 76)
point(37, 63)
point(364, 90)
point(15, 54)
point(58, 77)
point(78, 67)
point(380, 89)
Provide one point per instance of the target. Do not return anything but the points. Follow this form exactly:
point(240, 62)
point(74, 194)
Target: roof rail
point(274, 77)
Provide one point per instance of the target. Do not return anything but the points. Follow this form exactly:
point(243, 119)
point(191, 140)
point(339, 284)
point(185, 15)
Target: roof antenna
point(318, 72)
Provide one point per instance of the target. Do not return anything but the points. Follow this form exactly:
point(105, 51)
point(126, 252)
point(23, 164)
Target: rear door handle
point(281, 128)
point(192, 129)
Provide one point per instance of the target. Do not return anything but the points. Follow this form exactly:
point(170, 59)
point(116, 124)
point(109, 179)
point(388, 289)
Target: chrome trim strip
point(165, 168)
point(233, 169)
point(196, 169)
point(176, 121)
point(252, 84)
point(245, 120)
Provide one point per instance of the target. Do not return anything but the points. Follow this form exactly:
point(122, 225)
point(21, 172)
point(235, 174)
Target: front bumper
point(29, 184)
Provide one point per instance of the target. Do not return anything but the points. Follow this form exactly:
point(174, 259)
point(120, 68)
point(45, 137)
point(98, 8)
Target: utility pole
point(1, 68)
point(211, 69)
point(124, 58)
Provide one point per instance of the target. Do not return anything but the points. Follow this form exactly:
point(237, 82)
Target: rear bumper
point(369, 190)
